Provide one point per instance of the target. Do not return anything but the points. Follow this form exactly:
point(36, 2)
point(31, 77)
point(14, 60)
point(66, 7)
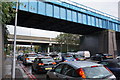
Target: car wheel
point(32, 69)
point(36, 71)
point(25, 63)
point(47, 77)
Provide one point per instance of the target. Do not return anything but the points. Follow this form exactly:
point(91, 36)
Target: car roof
point(30, 53)
point(110, 60)
point(44, 57)
point(106, 54)
point(81, 64)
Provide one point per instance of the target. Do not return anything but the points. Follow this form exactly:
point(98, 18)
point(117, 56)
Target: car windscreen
point(32, 55)
point(97, 72)
point(47, 60)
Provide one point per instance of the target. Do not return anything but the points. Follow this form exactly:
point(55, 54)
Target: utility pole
point(14, 61)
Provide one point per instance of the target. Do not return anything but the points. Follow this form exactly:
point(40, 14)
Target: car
point(79, 70)
point(29, 58)
point(84, 54)
point(66, 58)
point(56, 57)
point(21, 57)
point(18, 57)
point(101, 56)
point(113, 65)
point(107, 56)
point(78, 57)
point(118, 57)
point(43, 64)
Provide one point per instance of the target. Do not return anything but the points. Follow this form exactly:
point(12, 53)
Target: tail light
point(106, 56)
point(27, 58)
point(54, 63)
point(65, 61)
point(81, 72)
point(107, 69)
point(93, 66)
point(77, 59)
point(40, 64)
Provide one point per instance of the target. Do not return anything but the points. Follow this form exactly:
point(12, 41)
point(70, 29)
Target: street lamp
point(14, 62)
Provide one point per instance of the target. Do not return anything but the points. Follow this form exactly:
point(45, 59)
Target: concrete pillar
point(48, 49)
point(112, 44)
point(100, 42)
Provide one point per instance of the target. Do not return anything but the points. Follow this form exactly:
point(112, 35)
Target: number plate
point(48, 68)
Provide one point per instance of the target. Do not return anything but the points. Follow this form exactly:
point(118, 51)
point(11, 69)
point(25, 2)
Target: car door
point(69, 73)
point(56, 73)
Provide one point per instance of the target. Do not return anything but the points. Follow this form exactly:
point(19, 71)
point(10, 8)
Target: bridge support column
point(100, 42)
point(118, 42)
point(48, 50)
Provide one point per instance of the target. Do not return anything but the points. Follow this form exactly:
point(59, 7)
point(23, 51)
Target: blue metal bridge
point(101, 31)
point(62, 16)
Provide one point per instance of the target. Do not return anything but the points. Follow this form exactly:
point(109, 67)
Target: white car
point(118, 57)
point(29, 58)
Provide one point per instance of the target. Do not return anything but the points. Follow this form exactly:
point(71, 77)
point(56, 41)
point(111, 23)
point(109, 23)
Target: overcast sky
point(107, 6)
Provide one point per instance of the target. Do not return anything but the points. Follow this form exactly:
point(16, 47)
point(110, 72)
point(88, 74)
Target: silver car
point(79, 70)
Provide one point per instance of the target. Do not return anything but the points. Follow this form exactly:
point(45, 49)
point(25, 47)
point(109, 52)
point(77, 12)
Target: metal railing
point(88, 8)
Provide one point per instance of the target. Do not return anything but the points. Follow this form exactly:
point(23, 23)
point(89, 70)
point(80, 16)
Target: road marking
point(31, 76)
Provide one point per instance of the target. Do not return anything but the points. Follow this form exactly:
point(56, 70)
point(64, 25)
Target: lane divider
point(31, 76)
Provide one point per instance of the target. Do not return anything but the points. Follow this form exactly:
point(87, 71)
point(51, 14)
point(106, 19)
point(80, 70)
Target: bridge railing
point(89, 9)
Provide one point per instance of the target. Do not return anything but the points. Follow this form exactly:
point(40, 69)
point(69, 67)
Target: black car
point(20, 57)
point(113, 65)
point(101, 56)
point(43, 64)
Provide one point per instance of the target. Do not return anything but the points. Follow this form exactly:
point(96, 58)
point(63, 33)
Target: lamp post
point(14, 62)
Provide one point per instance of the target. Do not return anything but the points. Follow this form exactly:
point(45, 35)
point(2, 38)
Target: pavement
point(19, 72)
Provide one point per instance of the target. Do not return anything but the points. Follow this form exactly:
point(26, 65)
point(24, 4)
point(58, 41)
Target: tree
point(6, 14)
point(68, 39)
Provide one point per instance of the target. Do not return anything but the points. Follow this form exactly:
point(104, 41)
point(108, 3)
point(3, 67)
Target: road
point(28, 68)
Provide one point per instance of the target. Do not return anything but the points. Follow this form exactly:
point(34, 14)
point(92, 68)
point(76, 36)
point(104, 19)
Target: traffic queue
point(71, 65)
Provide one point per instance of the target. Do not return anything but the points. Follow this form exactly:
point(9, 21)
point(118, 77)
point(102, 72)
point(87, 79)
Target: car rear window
point(68, 57)
point(47, 60)
point(32, 55)
point(96, 72)
point(78, 56)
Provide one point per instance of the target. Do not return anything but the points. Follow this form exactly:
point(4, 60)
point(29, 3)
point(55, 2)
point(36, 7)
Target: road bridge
point(22, 39)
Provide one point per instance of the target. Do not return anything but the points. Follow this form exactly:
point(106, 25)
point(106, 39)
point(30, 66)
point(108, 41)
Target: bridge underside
point(102, 43)
point(37, 21)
